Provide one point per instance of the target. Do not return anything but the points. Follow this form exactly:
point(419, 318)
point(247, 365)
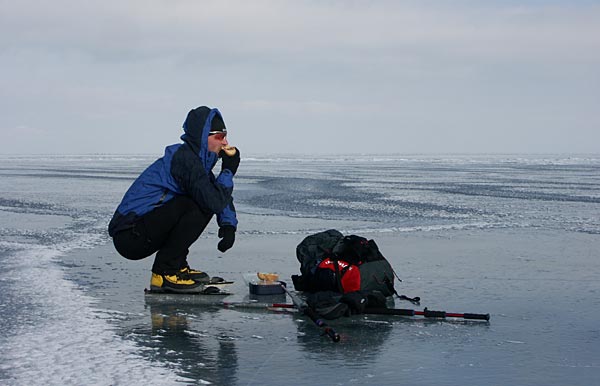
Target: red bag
point(349, 273)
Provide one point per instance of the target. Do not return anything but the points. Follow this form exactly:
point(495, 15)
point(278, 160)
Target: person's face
point(216, 142)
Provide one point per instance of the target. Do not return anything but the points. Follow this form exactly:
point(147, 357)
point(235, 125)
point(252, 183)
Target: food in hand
point(229, 150)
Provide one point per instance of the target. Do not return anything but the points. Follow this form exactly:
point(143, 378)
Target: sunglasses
point(219, 135)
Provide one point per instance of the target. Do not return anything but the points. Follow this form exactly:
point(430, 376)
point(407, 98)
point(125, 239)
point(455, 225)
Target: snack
point(229, 150)
point(267, 277)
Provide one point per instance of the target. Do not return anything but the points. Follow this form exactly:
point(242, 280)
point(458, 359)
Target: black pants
point(168, 230)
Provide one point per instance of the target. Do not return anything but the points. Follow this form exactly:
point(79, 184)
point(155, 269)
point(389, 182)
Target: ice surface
point(57, 337)
point(515, 236)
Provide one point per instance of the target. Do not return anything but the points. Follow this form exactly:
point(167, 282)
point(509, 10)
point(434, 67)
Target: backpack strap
point(390, 286)
point(338, 276)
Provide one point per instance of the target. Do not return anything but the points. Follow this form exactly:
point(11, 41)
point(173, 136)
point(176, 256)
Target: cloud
point(152, 28)
point(308, 107)
point(414, 70)
point(22, 130)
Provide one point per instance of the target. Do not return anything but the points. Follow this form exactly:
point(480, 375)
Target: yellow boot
point(194, 274)
point(174, 283)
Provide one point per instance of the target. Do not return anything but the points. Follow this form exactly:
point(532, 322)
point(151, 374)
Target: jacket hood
point(196, 128)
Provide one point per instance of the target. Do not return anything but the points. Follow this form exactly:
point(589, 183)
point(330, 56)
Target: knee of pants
point(130, 249)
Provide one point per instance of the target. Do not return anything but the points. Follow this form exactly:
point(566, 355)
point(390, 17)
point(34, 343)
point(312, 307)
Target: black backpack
point(330, 261)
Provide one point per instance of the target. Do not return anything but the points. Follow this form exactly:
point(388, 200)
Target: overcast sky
point(302, 76)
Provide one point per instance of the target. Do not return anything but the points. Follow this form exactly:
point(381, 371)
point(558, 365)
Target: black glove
point(230, 162)
point(227, 233)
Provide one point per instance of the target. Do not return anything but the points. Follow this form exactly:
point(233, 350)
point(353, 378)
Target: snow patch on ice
point(65, 343)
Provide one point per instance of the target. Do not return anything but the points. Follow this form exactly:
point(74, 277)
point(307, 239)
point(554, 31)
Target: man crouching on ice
point(170, 204)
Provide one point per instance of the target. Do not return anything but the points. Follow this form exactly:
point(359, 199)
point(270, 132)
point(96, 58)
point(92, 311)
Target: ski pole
point(306, 310)
point(373, 311)
point(255, 305)
point(426, 313)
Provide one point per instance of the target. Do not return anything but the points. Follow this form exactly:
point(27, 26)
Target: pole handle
point(426, 313)
point(306, 310)
point(335, 337)
point(477, 316)
point(327, 330)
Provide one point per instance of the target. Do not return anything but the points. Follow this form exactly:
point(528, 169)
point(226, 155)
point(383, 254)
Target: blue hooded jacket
point(184, 169)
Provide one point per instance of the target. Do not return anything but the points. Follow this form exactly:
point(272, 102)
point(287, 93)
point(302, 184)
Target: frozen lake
point(514, 236)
